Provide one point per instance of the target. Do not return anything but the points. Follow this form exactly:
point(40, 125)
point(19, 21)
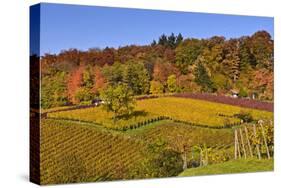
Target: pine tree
point(179, 39)
point(163, 40)
point(172, 41)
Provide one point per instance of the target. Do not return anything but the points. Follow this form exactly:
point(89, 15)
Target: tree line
point(172, 64)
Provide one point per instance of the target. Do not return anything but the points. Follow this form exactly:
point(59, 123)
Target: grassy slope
point(235, 166)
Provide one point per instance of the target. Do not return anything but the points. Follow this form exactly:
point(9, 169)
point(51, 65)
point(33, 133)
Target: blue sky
point(84, 27)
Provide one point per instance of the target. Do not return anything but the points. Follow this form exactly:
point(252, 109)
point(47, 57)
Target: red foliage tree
point(75, 81)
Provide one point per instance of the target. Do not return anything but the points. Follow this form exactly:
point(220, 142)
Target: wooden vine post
point(235, 144)
point(248, 141)
point(185, 148)
point(264, 139)
point(242, 142)
point(257, 145)
point(238, 146)
point(201, 156)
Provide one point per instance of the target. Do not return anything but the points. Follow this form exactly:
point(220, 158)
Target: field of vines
point(197, 112)
point(170, 131)
point(218, 141)
point(78, 152)
point(77, 146)
point(75, 153)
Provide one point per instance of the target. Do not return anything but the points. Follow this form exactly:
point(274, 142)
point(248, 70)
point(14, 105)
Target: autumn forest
point(170, 64)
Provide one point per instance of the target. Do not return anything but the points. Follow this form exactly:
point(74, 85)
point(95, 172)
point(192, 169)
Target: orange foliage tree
point(75, 81)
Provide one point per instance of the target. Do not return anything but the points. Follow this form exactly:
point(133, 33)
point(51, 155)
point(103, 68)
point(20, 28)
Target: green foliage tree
point(136, 77)
point(53, 90)
point(118, 99)
point(114, 74)
point(156, 88)
point(164, 162)
point(247, 59)
point(262, 48)
point(84, 95)
point(187, 52)
point(172, 83)
point(133, 74)
point(87, 79)
point(221, 82)
point(203, 79)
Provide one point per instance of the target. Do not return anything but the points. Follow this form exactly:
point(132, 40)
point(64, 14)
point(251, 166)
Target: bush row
point(140, 124)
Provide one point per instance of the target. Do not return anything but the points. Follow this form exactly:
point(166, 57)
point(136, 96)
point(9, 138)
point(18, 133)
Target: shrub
point(245, 116)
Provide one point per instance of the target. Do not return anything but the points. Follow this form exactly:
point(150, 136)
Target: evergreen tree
point(179, 39)
point(154, 43)
point(163, 40)
point(172, 41)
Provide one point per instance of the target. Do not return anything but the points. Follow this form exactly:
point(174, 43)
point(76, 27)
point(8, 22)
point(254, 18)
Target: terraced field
point(197, 112)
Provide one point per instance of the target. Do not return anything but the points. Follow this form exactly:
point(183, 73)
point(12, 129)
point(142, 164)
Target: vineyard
point(75, 153)
point(195, 112)
point(87, 144)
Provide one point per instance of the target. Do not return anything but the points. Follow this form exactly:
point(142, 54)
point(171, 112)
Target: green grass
point(234, 166)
